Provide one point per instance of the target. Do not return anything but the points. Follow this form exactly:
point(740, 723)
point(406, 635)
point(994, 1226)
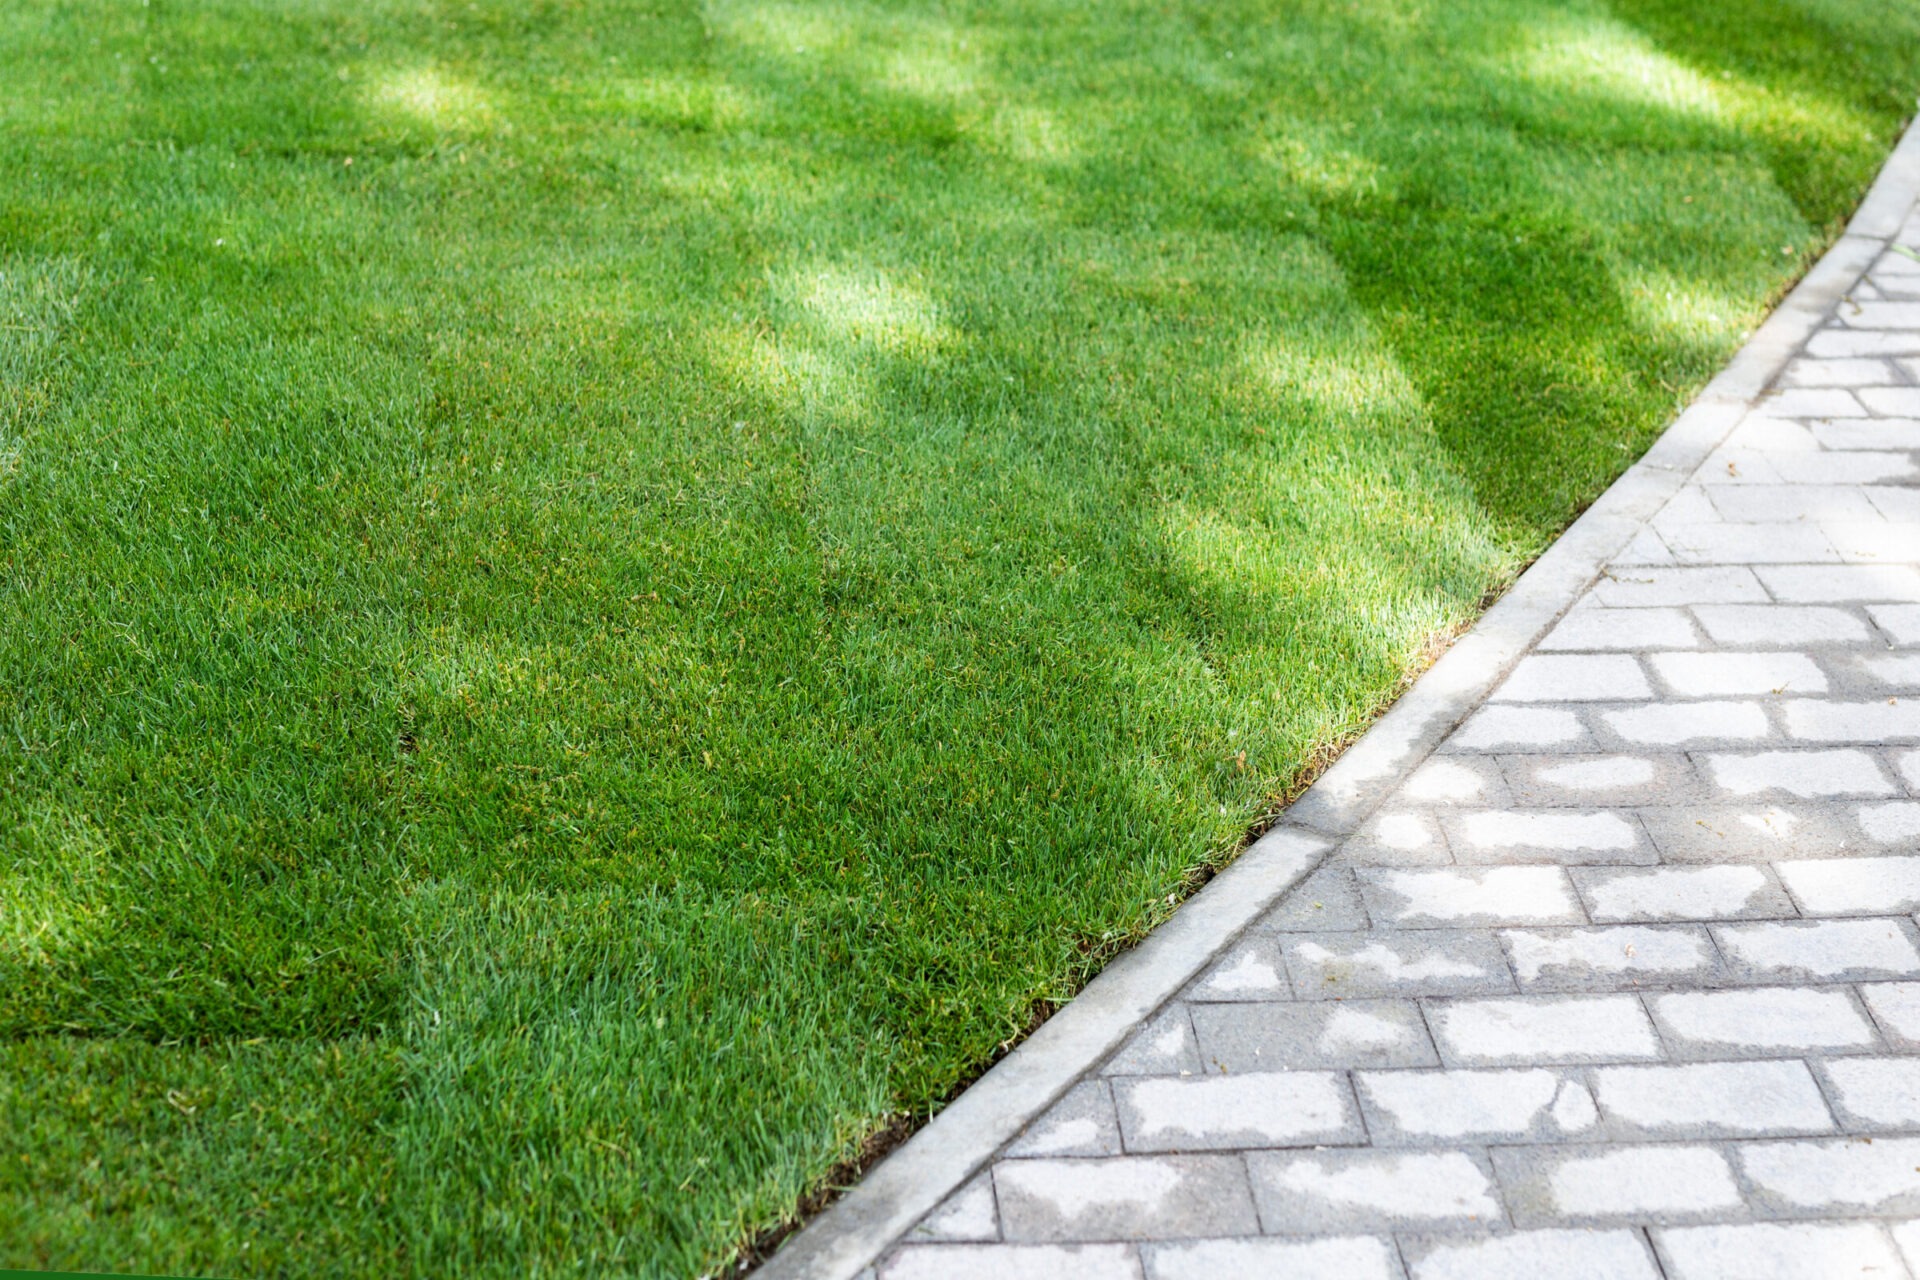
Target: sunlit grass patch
point(431, 97)
point(1607, 60)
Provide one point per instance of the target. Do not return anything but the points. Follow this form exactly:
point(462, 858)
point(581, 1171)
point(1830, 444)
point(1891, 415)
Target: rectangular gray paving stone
point(1868, 433)
point(1855, 886)
point(1711, 1100)
point(1805, 775)
point(1684, 724)
point(1891, 402)
point(968, 1214)
point(1509, 727)
point(1893, 538)
point(1843, 342)
point(1760, 503)
point(1896, 1007)
point(1891, 822)
point(1597, 1186)
point(1124, 1198)
point(1514, 1104)
point(1875, 1094)
point(1332, 1258)
point(1556, 835)
point(1820, 950)
point(1894, 502)
point(1882, 315)
point(1783, 626)
point(1895, 821)
point(1639, 588)
point(1718, 544)
point(1567, 781)
point(1470, 896)
point(1560, 1254)
point(1873, 542)
point(1822, 402)
point(1081, 1124)
point(1880, 720)
point(1819, 584)
point(1456, 780)
point(1690, 510)
point(1758, 433)
point(1542, 1029)
point(1250, 970)
point(1762, 1022)
point(1282, 1037)
point(1574, 677)
point(1779, 1251)
point(1012, 1262)
point(1600, 628)
point(1837, 373)
point(1647, 548)
point(1408, 963)
point(1605, 957)
point(1327, 900)
point(1689, 506)
point(1718, 674)
point(1835, 1176)
point(1164, 1046)
point(1759, 831)
point(1319, 1192)
point(1858, 467)
point(1617, 895)
point(1900, 622)
point(1763, 451)
point(1881, 287)
point(1898, 672)
point(1243, 1109)
point(1397, 838)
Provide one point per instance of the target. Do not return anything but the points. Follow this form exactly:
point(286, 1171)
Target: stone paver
point(1623, 979)
point(1254, 1109)
point(1711, 1099)
point(1334, 1258)
point(1779, 1251)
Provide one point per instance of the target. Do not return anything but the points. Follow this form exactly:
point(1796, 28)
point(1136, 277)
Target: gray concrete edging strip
point(958, 1142)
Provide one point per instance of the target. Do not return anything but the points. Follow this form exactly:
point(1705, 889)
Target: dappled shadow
point(705, 559)
point(1819, 102)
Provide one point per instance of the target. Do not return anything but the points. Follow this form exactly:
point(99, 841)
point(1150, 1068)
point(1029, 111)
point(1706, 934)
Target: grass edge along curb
point(959, 1141)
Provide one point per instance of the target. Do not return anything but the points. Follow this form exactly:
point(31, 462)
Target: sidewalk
point(1616, 976)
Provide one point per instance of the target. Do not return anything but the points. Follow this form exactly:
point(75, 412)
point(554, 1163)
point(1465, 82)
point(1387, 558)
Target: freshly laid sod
point(595, 598)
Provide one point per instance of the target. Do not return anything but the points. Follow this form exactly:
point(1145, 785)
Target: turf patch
point(595, 600)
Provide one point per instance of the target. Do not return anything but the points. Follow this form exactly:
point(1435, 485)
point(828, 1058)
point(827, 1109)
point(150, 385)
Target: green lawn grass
point(596, 597)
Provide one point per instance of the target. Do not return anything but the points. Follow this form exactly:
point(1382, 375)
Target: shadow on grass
point(731, 551)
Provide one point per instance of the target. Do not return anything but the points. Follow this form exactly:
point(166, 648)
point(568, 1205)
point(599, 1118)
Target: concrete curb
point(961, 1140)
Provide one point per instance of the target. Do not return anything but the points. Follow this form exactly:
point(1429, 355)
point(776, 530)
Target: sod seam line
point(959, 1141)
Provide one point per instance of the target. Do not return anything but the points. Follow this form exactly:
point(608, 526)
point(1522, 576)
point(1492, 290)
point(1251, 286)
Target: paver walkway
point(1623, 980)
